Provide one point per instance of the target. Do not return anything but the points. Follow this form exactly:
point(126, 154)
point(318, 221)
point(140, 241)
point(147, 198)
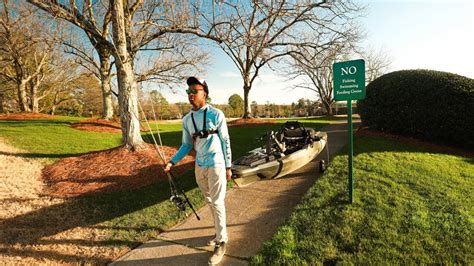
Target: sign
point(349, 80)
point(349, 84)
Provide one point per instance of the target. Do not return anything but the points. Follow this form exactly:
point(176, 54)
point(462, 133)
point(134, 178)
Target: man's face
point(196, 95)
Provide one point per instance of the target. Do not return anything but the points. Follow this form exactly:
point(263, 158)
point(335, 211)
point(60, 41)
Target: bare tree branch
point(70, 14)
point(264, 31)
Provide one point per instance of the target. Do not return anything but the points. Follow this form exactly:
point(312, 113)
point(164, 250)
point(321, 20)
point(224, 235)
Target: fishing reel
point(179, 202)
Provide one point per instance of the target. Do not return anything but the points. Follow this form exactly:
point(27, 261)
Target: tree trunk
point(247, 87)
point(108, 108)
point(128, 89)
point(246, 102)
point(1, 103)
point(327, 106)
point(34, 98)
point(22, 99)
point(55, 103)
point(34, 105)
point(105, 77)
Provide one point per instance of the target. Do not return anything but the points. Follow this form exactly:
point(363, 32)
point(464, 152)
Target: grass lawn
point(130, 217)
point(54, 138)
point(411, 207)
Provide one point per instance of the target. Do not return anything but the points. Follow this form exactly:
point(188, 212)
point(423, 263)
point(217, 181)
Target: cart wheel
point(322, 166)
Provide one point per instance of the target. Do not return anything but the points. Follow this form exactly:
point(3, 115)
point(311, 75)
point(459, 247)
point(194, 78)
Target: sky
point(436, 35)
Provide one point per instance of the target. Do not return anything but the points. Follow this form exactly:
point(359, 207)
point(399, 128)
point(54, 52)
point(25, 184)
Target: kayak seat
point(293, 131)
point(294, 134)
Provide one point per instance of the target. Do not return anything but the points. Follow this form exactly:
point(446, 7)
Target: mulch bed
point(105, 126)
point(435, 148)
point(109, 170)
point(250, 122)
point(24, 116)
point(98, 125)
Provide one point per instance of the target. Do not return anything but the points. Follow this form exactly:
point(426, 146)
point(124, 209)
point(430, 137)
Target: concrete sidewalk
point(253, 214)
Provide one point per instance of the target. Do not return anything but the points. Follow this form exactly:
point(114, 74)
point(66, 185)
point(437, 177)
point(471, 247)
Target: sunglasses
point(193, 91)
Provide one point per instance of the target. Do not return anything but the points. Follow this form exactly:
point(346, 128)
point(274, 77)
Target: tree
point(173, 58)
point(316, 67)
point(85, 57)
point(254, 33)
point(87, 89)
point(377, 62)
point(7, 96)
point(26, 54)
point(136, 25)
point(173, 112)
point(59, 87)
point(287, 112)
point(304, 107)
point(301, 106)
point(183, 108)
point(236, 103)
point(161, 104)
point(226, 109)
point(254, 108)
point(80, 94)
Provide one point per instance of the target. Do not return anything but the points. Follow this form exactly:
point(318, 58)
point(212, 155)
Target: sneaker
point(219, 251)
point(213, 241)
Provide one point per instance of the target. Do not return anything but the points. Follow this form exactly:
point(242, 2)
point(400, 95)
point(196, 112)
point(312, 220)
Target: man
point(205, 129)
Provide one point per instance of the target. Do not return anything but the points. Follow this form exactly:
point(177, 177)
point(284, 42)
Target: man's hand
point(168, 167)
point(228, 174)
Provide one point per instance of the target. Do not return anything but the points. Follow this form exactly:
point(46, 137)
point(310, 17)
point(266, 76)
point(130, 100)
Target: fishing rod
point(175, 198)
point(174, 186)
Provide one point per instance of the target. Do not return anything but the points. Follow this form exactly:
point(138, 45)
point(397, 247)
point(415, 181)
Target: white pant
point(213, 184)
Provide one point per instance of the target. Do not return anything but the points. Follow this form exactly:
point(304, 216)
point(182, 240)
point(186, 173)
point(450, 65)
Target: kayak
point(284, 152)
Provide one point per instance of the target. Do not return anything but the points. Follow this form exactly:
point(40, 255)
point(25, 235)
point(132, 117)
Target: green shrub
point(432, 105)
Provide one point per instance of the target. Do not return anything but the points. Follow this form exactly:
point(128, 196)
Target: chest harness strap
point(204, 133)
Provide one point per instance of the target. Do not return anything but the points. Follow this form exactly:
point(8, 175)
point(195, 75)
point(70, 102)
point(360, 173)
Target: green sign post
point(349, 84)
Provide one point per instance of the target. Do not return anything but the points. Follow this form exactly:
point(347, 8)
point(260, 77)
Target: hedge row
point(432, 105)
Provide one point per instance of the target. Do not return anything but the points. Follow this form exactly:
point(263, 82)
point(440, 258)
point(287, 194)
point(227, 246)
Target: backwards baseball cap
point(198, 80)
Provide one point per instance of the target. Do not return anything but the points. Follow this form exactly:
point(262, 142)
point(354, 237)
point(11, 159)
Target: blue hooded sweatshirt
point(213, 151)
